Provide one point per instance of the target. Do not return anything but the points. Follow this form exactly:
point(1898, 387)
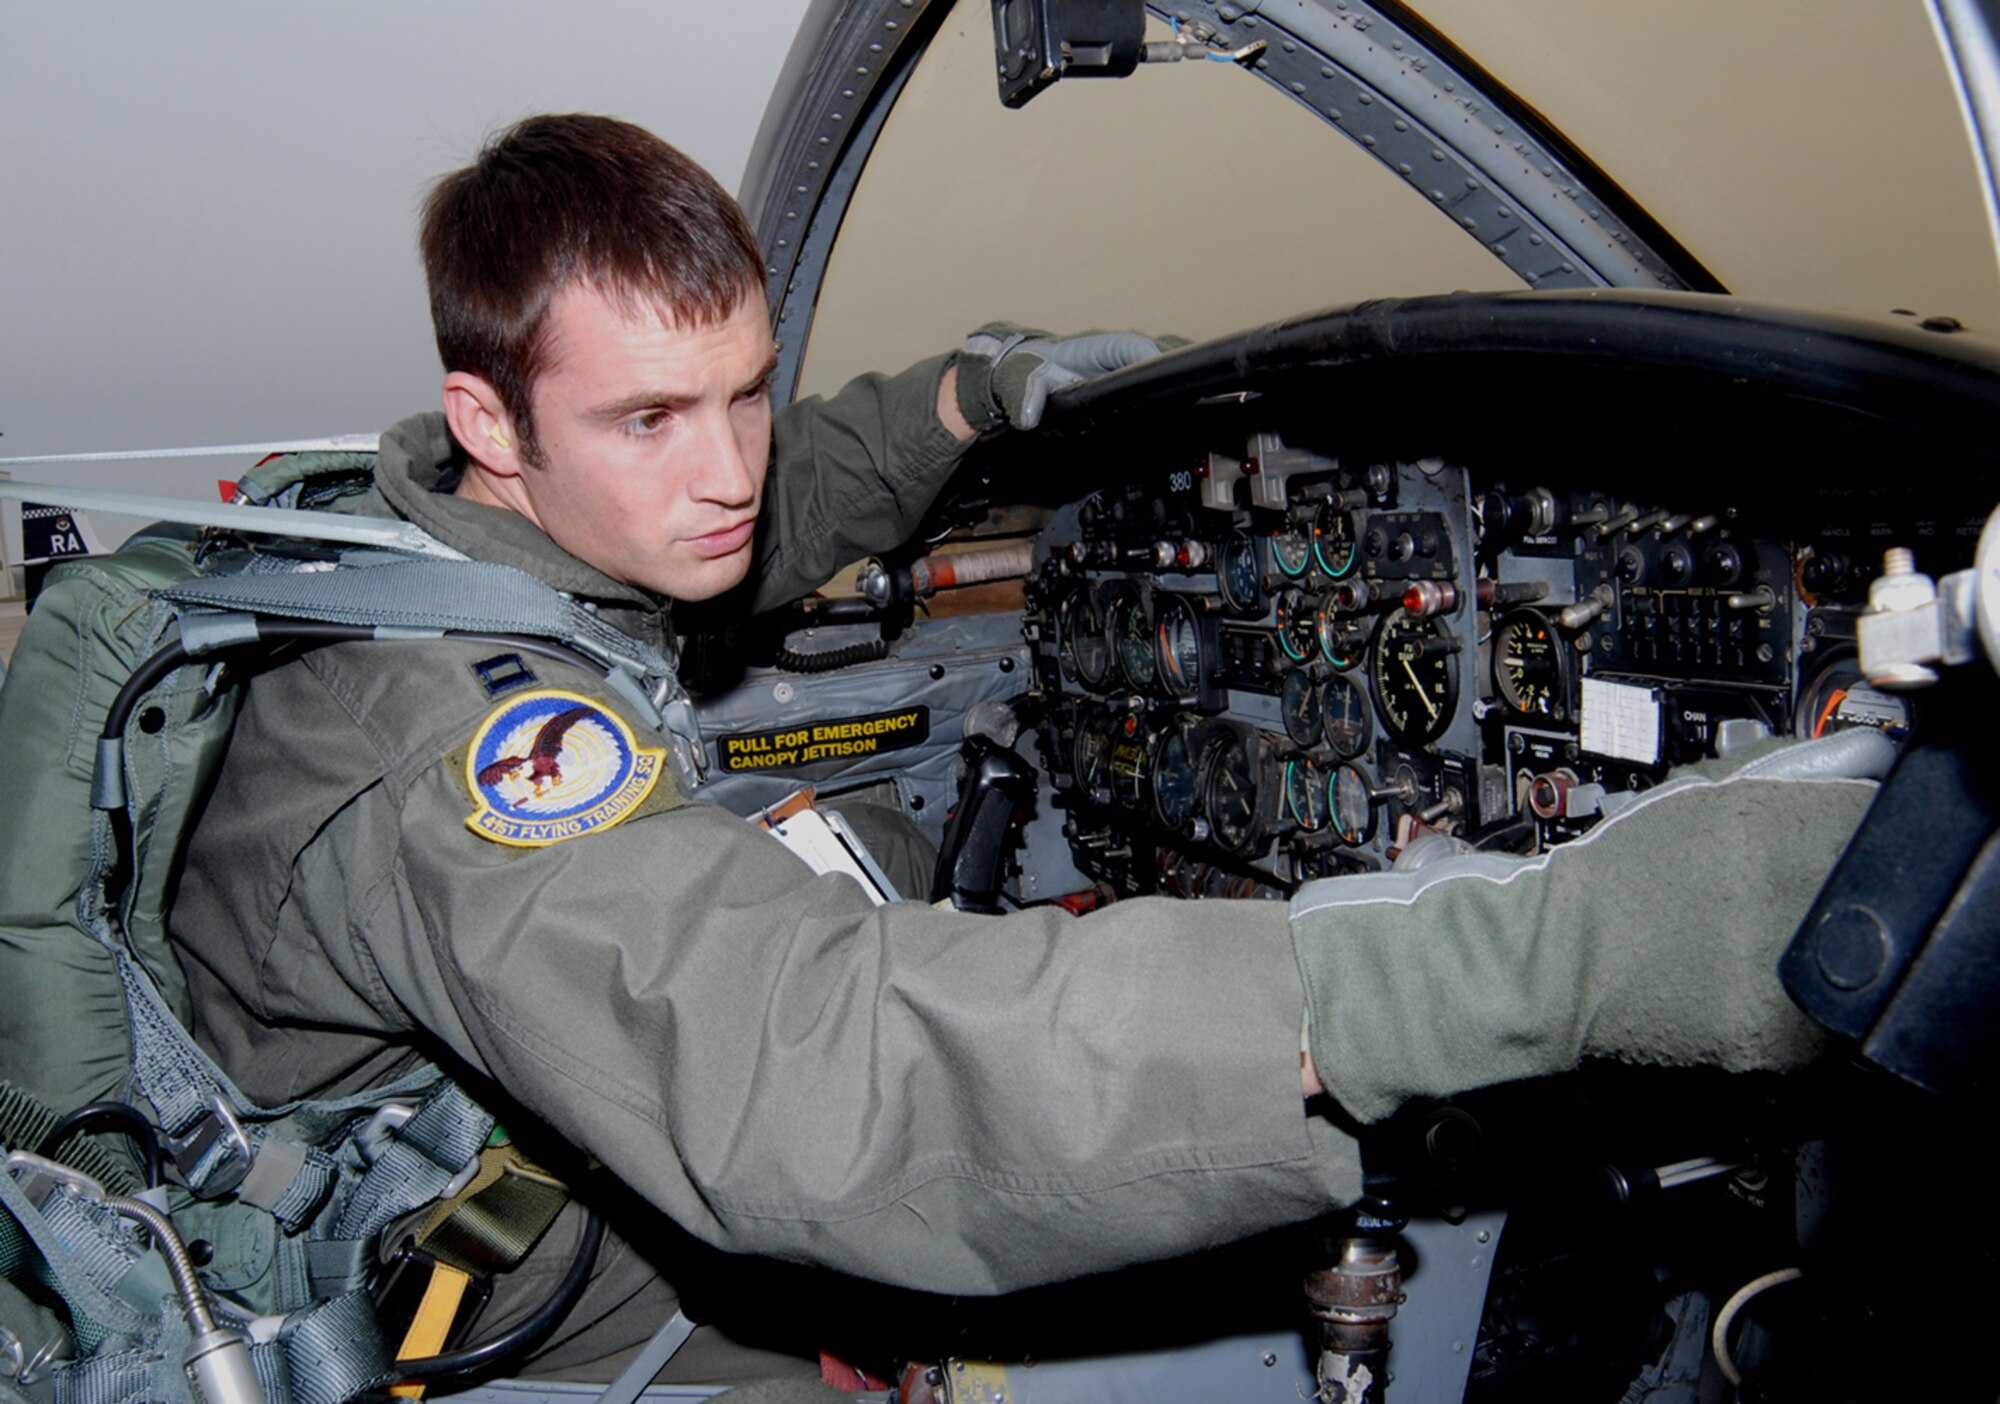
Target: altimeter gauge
point(1413, 675)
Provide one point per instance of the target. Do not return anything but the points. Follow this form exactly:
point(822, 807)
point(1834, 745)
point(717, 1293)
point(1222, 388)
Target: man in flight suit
point(958, 1103)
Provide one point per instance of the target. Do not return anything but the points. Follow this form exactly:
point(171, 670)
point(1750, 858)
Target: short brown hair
point(558, 199)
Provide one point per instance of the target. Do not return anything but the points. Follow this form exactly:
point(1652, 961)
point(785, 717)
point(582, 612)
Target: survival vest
point(116, 711)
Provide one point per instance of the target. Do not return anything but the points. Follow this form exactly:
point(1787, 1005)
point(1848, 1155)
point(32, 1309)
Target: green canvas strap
point(494, 1221)
point(420, 596)
point(324, 1355)
point(76, 1254)
point(130, 1333)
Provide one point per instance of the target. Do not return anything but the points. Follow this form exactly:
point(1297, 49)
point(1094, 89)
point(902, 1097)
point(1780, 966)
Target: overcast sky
point(209, 206)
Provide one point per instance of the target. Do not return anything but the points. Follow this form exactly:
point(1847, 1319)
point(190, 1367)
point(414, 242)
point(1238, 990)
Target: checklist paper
point(1621, 721)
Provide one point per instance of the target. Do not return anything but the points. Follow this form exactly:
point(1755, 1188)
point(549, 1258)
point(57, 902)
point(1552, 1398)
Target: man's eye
point(755, 393)
point(649, 422)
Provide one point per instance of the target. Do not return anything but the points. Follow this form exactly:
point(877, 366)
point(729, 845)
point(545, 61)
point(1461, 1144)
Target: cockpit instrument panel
point(1296, 662)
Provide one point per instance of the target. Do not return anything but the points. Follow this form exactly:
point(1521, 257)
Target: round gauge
point(1237, 574)
point(1126, 760)
point(1351, 804)
point(1299, 703)
point(1173, 778)
point(1839, 699)
point(1342, 641)
point(1229, 792)
point(1291, 549)
point(1334, 544)
point(1298, 624)
point(1413, 673)
point(1345, 717)
point(1179, 639)
point(1531, 665)
point(1084, 646)
point(1090, 756)
point(1305, 794)
point(1132, 637)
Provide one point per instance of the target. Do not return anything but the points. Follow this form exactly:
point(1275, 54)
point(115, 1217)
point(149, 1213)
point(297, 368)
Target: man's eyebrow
point(770, 368)
point(660, 399)
point(632, 404)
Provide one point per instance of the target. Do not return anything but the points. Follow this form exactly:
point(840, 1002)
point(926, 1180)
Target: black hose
point(1504, 835)
point(527, 1334)
point(129, 1120)
point(792, 661)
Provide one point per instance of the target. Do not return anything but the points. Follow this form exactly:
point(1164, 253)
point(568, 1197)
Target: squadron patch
point(550, 765)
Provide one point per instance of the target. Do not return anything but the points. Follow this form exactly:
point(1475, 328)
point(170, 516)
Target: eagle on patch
point(544, 758)
point(551, 765)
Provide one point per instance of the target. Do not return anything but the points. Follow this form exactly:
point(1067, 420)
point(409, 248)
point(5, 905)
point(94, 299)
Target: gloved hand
point(1654, 939)
point(1005, 372)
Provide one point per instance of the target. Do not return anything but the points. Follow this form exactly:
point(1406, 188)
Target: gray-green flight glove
point(1006, 372)
point(1652, 939)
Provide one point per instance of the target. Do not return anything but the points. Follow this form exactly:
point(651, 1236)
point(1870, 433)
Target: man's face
point(654, 439)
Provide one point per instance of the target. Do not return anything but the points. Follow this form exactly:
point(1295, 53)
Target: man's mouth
point(723, 543)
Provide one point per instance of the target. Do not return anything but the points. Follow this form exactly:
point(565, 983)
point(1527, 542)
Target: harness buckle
point(389, 1119)
point(193, 1150)
point(372, 1137)
point(41, 1179)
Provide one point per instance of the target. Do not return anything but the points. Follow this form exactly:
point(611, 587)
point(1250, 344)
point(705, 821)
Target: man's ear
point(480, 422)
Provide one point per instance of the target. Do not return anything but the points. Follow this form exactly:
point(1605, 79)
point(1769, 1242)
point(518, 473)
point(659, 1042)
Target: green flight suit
point(958, 1103)
point(961, 1103)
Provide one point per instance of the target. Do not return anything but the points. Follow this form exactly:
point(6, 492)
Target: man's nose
point(725, 474)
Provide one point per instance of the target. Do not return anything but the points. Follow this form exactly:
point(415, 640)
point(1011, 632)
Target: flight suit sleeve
point(939, 1100)
point(850, 475)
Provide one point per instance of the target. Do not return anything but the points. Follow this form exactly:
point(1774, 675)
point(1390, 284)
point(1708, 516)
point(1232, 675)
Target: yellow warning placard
point(809, 743)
